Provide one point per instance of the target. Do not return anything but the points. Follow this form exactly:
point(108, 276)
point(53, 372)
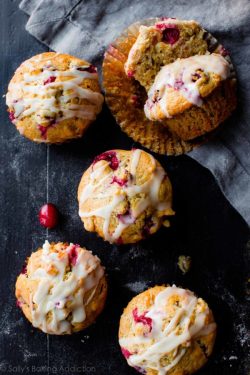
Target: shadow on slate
point(205, 227)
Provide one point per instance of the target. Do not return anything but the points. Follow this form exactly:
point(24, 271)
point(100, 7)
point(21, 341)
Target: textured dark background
point(206, 227)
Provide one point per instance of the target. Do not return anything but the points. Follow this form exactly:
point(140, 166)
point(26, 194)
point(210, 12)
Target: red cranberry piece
point(18, 303)
point(109, 156)
point(119, 241)
point(171, 35)
point(24, 269)
point(89, 69)
point(142, 318)
point(130, 74)
point(126, 352)
point(136, 101)
point(49, 80)
point(43, 131)
point(73, 254)
point(12, 116)
point(48, 215)
point(126, 218)
point(120, 181)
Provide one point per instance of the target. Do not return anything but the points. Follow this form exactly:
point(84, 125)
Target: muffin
point(161, 44)
point(54, 97)
point(167, 330)
point(131, 66)
point(125, 196)
point(62, 289)
point(183, 84)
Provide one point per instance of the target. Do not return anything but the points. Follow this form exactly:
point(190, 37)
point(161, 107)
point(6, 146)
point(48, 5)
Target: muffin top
point(167, 330)
point(124, 196)
point(53, 97)
point(184, 83)
point(57, 285)
point(161, 44)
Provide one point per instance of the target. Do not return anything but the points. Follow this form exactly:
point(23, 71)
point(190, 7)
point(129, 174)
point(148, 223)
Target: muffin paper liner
point(126, 97)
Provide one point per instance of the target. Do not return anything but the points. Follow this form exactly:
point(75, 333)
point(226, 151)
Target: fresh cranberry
point(120, 181)
point(90, 69)
point(49, 80)
point(12, 116)
point(73, 254)
point(48, 215)
point(126, 352)
point(126, 218)
point(142, 318)
point(18, 303)
point(109, 156)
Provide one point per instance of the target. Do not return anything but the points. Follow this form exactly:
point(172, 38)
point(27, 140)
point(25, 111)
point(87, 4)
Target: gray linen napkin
point(85, 27)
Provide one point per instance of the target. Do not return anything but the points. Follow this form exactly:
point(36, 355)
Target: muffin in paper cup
point(126, 98)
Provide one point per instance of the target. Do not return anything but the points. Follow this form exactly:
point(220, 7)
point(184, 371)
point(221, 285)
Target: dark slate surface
point(206, 227)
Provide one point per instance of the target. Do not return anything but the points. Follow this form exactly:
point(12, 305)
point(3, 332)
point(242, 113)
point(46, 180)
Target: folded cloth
point(84, 28)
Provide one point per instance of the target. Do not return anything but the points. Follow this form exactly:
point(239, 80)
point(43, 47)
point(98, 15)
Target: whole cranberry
point(48, 215)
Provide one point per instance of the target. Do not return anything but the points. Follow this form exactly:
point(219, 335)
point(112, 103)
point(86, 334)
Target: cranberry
point(130, 74)
point(12, 116)
point(170, 33)
point(126, 218)
point(136, 101)
point(109, 156)
point(119, 241)
point(18, 303)
point(142, 318)
point(73, 254)
point(48, 215)
point(126, 352)
point(44, 129)
point(90, 69)
point(223, 51)
point(24, 269)
point(49, 80)
point(120, 181)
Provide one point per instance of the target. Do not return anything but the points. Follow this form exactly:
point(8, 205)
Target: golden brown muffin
point(54, 97)
point(62, 289)
point(167, 330)
point(190, 126)
point(125, 196)
point(161, 44)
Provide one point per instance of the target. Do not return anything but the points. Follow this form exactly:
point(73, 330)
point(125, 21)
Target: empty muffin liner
point(126, 97)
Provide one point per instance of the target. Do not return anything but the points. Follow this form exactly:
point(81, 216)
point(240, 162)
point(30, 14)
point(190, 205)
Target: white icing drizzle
point(54, 291)
point(118, 194)
point(172, 338)
point(179, 75)
point(32, 96)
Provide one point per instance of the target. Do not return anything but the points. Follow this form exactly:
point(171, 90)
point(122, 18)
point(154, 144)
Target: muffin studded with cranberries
point(161, 44)
point(54, 97)
point(125, 196)
point(169, 84)
point(62, 288)
point(167, 330)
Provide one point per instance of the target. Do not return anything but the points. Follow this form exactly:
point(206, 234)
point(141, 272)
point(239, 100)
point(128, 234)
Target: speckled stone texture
point(206, 227)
